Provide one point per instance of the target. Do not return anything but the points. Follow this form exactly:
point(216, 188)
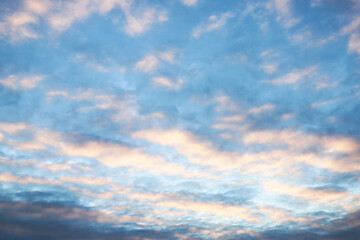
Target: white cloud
point(352, 26)
point(262, 108)
point(353, 29)
point(60, 15)
point(189, 2)
point(354, 43)
point(270, 67)
point(168, 56)
point(136, 24)
point(148, 64)
point(17, 26)
point(214, 22)
point(167, 82)
point(294, 76)
point(12, 127)
point(21, 82)
point(284, 13)
point(38, 6)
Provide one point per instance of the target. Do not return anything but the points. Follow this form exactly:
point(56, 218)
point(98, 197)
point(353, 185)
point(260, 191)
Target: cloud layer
point(187, 119)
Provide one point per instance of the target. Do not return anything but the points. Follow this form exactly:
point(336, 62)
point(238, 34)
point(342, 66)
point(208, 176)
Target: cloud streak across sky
point(187, 119)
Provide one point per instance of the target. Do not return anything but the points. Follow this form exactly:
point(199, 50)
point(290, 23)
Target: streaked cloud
point(167, 82)
point(262, 108)
point(136, 24)
point(294, 76)
point(186, 119)
point(284, 12)
point(59, 16)
point(214, 22)
point(21, 81)
point(354, 43)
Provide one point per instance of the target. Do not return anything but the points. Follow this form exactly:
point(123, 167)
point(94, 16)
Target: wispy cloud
point(214, 22)
point(18, 26)
point(59, 16)
point(270, 67)
point(354, 43)
point(320, 195)
point(294, 76)
point(147, 64)
point(262, 108)
point(189, 2)
point(353, 30)
point(21, 81)
point(167, 82)
point(284, 12)
point(150, 63)
point(136, 24)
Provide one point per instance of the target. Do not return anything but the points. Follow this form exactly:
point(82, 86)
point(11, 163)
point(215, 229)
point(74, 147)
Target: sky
point(179, 119)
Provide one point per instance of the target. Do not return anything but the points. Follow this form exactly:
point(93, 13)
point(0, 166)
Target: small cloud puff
point(150, 63)
point(189, 2)
point(147, 64)
point(167, 82)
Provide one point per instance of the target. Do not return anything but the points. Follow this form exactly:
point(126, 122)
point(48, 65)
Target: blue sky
point(179, 119)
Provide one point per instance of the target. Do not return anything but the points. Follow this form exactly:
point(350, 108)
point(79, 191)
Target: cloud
point(189, 2)
point(186, 204)
point(13, 127)
point(38, 6)
point(116, 155)
point(317, 151)
point(138, 23)
point(232, 118)
point(214, 22)
point(299, 140)
point(294, 76)
point(86, 180)
point(21, 81)
point(270, 162)
point(353, 26)
point(168, 55)
point(212, 208)
point(197, 151)
point(148, 64)
point(60, 15)
point(167, 82)
point(262, 108)
point(319, 195)
point(354, 43)
point(284, 13)
point(353, 30)
point(120, 109)
point(142, 22)
point(270, 68)
point(111, 154)
point(63, 221)
point(8, 177)
point(225, 104)
point(323, 103)
point(18, 26)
